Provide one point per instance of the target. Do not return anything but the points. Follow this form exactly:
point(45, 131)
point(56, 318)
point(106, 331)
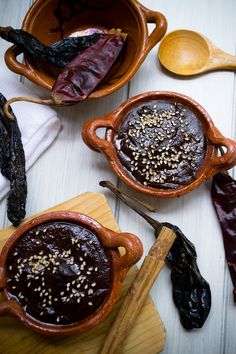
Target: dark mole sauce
point(161, 144)
point(59, 272)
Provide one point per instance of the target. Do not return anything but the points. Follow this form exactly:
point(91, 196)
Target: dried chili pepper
point(81, 76)
point(58, 54)
point(69, 47)
point(87, 70)
point(12, 165)
point(223, 193)
point(191, 292)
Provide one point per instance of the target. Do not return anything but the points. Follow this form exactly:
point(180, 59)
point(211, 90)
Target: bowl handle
point(160, 29)
point(228, 160)
point(3, 278)
point(133, 247)
point(90, 136)
point(17, 67)
point(11, 308)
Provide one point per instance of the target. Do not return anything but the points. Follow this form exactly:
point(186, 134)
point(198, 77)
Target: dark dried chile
point(69, 47)
point(12, 165)
point(191, 292)
point(223, 193)
point(58, 54)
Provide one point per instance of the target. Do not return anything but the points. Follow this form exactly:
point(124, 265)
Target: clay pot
point(212, 163)
point(128, 15)
point(119, 264)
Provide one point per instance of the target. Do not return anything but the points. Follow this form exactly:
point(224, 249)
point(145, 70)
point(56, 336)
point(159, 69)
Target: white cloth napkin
point(39, 125)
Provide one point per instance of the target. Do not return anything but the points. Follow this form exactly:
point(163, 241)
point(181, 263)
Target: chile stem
point(26, 99)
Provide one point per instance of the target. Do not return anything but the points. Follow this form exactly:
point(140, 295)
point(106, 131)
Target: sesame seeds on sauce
point(161, 144)
point(59, 272)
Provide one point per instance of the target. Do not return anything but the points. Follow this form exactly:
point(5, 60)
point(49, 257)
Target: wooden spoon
point(186, 52)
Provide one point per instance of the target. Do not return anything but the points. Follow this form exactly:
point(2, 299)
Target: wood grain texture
point(147, 335)
point(69, 168)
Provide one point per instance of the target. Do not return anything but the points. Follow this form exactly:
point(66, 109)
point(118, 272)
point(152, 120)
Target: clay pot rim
point(211, 165)
point(119, 265)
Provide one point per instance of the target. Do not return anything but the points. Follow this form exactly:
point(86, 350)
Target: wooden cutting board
point(146, 337)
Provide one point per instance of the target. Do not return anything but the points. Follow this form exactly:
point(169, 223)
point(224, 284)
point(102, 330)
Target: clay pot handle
point(133, 247)
point(3, 278)
point(228, 160)
point(19, 68)
point(160, 29)
point(8, 307)
point(11, 308)
point(90, 136)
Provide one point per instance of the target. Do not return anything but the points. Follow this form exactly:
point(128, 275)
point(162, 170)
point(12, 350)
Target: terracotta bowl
point(211, 162)
point(128, 15)
point(108, 240)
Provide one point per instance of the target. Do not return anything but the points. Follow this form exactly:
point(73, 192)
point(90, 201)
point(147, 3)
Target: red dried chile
point(223, 193)
point(81, 76)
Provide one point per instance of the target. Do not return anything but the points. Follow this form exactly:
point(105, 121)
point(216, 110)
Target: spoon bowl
point(185, 52)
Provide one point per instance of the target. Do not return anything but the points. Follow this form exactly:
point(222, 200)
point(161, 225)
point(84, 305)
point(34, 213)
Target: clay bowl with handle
point(210, 163)
point(28, 254)
point(128, 15)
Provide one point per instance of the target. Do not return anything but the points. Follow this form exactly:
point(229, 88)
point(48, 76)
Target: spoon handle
point(222, 60)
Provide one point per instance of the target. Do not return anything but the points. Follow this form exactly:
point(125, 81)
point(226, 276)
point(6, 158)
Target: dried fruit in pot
point(58, 54)
point(12, 164)
point(223, 193)
point(82, 75)
point(191, 292)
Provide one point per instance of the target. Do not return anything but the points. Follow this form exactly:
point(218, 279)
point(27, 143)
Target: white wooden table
point(69, 168)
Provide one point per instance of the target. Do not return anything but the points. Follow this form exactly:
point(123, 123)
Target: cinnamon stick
point(138, 292)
